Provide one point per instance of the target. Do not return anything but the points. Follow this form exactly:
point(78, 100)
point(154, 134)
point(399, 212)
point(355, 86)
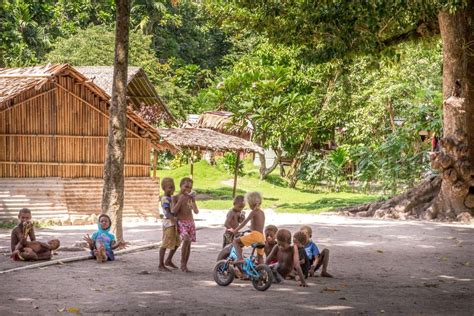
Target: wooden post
point(155, 162)
point(236, 173)
point(191, 171)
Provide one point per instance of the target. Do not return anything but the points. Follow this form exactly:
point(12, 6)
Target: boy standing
point(234, 217)
point(316, 257)
point(24, 229)
point(287, 258)
point(183, 207)
point(257, 222)
point(170, 239)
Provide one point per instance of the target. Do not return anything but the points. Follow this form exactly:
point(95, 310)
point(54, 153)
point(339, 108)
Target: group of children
point(300, 260)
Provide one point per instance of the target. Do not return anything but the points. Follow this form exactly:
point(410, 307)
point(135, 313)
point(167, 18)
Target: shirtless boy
point(270, 238)
point(234, 217)
point(257, 222)
point(23, 229)
point(184, 205)
point(288, 258)
point(35, 250)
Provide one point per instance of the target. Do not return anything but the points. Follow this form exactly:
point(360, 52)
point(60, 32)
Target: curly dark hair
point(284, 235)
point(301, 237)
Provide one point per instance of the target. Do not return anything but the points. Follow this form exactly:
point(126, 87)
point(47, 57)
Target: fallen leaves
point(73, 310)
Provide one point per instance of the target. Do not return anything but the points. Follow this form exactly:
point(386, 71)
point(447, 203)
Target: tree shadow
point(324, 203)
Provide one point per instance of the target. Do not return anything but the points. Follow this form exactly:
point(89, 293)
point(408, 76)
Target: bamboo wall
point(61, 131)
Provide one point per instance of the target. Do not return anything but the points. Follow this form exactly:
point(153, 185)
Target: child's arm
point(273, 255)
point(13, 240)
point(177, 207)
point(251, 215)
point(297, 267)
point(89, 241)
point(194, 206)
point(31, 233)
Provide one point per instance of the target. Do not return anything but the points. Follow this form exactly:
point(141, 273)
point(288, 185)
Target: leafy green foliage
point(228, 162)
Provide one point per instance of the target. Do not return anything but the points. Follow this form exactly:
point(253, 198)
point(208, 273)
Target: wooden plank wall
point(60, 134)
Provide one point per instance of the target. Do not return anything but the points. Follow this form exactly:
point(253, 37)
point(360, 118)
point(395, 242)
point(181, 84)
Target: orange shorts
point(253, 237)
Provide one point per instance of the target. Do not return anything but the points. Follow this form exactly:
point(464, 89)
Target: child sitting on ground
point(316, 257)
point(270, 240)
point(287, 257)
point(102, 243)
point(170, 239)
point(23, 230)
point(257, 222)
point(184, 204)
point(300, 239)
point(35, 250)
point(234, 217)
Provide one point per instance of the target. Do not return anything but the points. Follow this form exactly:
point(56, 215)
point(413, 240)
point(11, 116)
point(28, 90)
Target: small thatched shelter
point(222, 122)
point(200, 139)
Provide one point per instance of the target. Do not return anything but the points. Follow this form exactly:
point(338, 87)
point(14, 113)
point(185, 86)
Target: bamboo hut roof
point(140, 90)
point(221, 121)
point(15, 81)
point(206, 139)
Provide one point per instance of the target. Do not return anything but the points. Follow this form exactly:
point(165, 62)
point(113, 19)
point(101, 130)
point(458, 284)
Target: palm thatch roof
point(206, 139)
point(222, 121)
point(141, 91)
point(15, 81)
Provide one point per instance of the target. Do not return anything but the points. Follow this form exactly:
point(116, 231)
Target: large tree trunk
point(456, 159)
point(451, 195)
point(113, 192)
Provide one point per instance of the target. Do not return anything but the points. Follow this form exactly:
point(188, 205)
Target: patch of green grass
point(215, 189)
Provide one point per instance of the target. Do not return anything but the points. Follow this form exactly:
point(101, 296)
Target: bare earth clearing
point(380, 266)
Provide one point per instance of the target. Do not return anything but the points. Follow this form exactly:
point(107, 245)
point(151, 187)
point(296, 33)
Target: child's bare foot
point(185, 269)
point(163, 269)
point(171, 265)
point(326, 275)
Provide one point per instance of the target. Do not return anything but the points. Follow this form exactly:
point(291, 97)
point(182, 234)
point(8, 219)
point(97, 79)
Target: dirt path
point(389, 267)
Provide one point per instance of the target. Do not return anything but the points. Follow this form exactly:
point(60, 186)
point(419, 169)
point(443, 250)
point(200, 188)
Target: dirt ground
point(380, 267)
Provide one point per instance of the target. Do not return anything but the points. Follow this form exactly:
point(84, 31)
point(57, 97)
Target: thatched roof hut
point(141, 91)
point(206, 139)
point(222, 122)
point(53, 138)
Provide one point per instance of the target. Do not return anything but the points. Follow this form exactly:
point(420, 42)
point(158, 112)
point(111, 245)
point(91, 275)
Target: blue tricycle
point(224, 270)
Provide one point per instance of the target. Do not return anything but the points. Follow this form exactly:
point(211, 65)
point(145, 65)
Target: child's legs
point(238, 248)
point(324, 259)
point(185, 249)
point(162, 256)
point(28, 254)
point(170, 255)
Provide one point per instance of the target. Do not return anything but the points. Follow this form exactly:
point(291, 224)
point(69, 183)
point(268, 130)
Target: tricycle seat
point(258, 245)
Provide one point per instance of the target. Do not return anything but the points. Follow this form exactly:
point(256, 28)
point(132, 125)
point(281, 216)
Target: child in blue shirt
point(102, 243)
point(316, 257)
